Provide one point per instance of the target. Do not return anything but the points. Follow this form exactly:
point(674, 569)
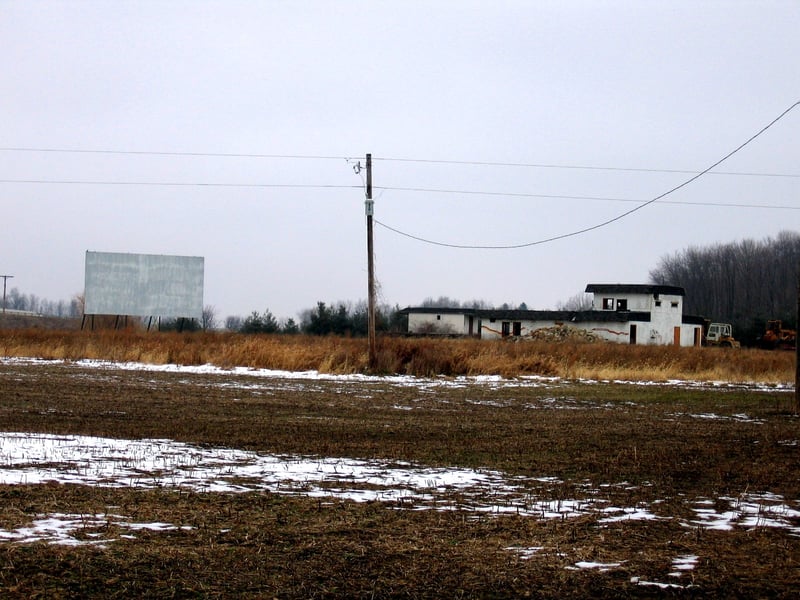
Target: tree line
point(16, 300)
point(341, 318)
point(337, 319)
point(744, 283)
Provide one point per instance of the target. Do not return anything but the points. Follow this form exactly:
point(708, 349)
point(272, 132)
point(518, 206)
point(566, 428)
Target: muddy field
point(121, 481)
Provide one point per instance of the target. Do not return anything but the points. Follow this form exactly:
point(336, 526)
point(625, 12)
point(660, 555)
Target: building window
point(506, 328)
point(658, 303)
point(674, 305)
point(622, 304)
point(438, 317)
point(517, 328)
point(608, 304)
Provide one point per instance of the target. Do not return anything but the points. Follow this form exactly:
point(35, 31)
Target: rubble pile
point(563, 333)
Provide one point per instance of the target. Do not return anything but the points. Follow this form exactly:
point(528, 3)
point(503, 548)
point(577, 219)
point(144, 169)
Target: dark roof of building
point(437, 310)
point(693, 320)
point(634, 288)
point(567, 316)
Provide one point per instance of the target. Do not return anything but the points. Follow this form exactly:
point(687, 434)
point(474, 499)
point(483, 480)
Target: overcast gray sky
point(644, 93)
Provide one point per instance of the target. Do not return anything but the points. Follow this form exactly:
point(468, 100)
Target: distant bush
point(260, 323)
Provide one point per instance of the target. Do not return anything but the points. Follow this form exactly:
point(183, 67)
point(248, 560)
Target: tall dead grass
point(413, 356)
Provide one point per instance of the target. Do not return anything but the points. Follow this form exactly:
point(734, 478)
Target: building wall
point(666, 313)
point(665, 326)
point(609, 331)
point(441, 323)
point(617, 332)
point(492, 329)
point(691, 335)
point(647, 333)
point(666, 303)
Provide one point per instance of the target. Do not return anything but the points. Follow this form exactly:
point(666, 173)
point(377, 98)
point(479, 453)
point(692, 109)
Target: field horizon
point(408, 355)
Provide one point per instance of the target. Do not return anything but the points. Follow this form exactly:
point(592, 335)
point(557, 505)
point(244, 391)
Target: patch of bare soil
point(656, 447)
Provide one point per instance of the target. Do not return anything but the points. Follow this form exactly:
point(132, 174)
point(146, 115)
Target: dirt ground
point(663, 449)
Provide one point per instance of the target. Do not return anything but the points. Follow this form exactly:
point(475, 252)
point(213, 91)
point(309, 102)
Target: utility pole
point(5, 279)
point(369, 206)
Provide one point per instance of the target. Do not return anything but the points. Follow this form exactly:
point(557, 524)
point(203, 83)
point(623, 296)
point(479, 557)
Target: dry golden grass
point(413, 356)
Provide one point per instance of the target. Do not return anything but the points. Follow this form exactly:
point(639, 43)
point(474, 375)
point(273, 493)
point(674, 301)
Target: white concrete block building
point(623, 313)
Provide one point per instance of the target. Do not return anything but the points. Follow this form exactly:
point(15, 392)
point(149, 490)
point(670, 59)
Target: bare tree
point(441, 302)
point(578, 302)
point(77, 305)
point(233, 323)
point(209, 317)
point(744, 283)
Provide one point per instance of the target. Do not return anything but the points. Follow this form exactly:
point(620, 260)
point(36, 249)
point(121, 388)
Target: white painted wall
point(666, 313)
point(688, 334)
point(667, 316)
point(641, 302)
point(612, 332)
point(438, 323)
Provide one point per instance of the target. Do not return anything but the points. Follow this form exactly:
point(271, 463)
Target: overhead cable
point(383, 188)
point(565, 197)
point(181, 184)
point(387, 159)
point(578, 167)
point(608, 221)
point(161, 153)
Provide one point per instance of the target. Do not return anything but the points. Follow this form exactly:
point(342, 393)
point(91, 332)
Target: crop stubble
point(637, 445)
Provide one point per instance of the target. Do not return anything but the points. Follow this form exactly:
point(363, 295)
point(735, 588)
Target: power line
point(387, 159)
point(384, 188)
point(181, 184)
point(579, 167)
point(608, 221)
point(161, 153)
point(564, 197)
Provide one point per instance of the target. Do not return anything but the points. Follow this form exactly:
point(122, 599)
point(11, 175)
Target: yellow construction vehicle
point(721, 334)
point(778, 338)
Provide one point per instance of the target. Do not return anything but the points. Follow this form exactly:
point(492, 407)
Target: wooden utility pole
point(5, 279)
point(369, 205)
